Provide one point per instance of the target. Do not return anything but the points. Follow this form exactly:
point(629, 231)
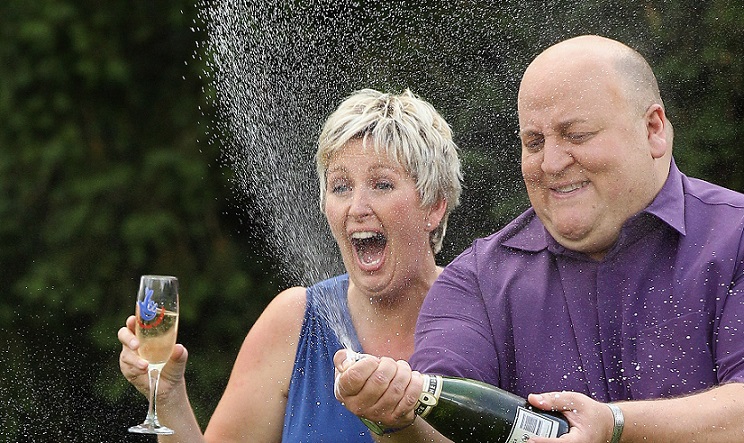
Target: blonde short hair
point(411, 132)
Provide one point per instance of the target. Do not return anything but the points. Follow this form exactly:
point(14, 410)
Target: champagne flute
point(156, 326)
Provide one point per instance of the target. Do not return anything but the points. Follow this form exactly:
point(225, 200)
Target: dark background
point(118, 157)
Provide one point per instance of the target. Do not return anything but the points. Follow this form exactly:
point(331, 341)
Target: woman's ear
point(436, 214)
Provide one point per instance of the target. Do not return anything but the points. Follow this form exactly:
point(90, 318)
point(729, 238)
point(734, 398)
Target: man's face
point(586, 158)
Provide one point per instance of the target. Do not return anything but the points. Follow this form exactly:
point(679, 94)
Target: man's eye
point(533, 144)
point(578, 137)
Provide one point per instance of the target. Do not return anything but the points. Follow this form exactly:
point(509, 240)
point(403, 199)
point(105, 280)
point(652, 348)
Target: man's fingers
point(555, 401)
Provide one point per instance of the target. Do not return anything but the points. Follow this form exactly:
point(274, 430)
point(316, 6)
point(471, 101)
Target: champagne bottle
point(470, 411)
point(465, 410)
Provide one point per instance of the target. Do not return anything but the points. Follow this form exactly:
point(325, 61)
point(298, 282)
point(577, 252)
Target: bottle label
point(528, 424)
point(429, 395)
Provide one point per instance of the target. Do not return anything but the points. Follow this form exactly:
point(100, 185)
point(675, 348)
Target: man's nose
point(556, 157)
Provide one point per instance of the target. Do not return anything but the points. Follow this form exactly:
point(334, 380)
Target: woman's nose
point(359, 204)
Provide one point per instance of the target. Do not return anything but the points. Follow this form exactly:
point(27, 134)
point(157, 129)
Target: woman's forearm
point(176, 413)
point(418, 432)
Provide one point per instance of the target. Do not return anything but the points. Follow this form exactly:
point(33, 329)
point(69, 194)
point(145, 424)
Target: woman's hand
point(381, 390)
point(134, 368)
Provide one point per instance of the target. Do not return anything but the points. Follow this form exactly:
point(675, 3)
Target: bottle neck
point(429, 397)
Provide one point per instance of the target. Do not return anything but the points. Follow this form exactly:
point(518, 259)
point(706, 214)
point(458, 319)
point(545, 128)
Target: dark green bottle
point(465, 410)
point(470, 411)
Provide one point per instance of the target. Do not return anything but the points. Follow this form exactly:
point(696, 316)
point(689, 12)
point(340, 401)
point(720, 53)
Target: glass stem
point(152, 410)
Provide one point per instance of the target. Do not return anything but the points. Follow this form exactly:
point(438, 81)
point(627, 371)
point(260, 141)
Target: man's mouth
point(570, 187)
point(369, 246)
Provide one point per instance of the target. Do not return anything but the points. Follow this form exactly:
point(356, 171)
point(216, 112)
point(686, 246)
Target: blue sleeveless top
point(313, 414)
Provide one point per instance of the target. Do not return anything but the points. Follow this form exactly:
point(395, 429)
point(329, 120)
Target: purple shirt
point(661, 315)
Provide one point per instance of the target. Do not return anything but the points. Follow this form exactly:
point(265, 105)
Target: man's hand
point(590, 421)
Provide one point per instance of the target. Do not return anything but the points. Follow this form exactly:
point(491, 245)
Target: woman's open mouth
point(369, 247)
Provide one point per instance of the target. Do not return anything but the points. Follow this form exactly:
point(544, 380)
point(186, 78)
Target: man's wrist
point(618, 423)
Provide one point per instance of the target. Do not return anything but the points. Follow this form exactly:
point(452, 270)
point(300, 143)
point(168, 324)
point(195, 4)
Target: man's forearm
point(711, 416)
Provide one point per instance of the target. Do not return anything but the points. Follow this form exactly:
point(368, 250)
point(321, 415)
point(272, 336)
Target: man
point(623, 285)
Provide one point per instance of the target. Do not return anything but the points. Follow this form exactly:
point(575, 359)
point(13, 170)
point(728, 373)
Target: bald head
point(596, 144)
point(590, 58)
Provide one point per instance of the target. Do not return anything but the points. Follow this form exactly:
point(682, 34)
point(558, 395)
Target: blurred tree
point(103, 179)
point(699, 59)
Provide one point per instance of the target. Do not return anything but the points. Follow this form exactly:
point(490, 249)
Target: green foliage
point(103, 179)
point(701, 70)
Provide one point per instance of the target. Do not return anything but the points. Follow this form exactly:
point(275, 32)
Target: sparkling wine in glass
point(156, 326)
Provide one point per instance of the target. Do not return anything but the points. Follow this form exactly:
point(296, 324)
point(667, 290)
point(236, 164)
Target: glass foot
point(147, 428)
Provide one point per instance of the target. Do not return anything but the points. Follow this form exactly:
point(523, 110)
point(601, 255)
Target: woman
point(389, 178)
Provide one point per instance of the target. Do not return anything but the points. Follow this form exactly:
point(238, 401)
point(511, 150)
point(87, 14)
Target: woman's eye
point(339, 188)
point(383, 185)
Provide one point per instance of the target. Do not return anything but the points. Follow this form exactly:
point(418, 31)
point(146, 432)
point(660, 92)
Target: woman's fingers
point(353, 380)
point(402, 394)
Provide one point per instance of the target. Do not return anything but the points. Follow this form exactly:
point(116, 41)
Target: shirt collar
point(669, 203)
point(668, 206)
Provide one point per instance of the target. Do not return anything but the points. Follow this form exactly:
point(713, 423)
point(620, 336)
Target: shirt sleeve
point(453, 333)
point(729, 344)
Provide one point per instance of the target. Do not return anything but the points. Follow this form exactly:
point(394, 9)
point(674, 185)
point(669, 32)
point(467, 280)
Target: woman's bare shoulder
point(262, 371)
point(281, 321)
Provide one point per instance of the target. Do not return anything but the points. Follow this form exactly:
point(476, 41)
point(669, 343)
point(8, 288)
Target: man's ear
point(658, 128)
